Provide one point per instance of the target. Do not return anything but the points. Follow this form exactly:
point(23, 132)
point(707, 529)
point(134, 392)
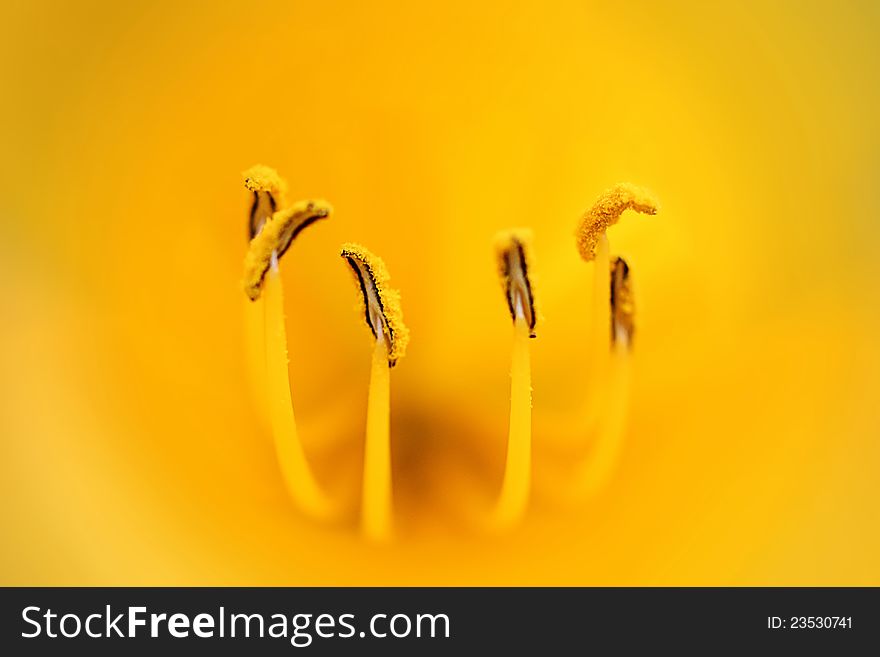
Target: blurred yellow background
point(131, 452)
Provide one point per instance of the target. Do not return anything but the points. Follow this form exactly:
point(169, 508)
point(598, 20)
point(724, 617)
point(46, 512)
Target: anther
point(275, 238)
point(513, 250)
point(382, 310)
point(268, 189)
point(622, 303)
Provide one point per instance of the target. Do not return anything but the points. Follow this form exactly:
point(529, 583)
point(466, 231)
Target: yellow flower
point(133, 449)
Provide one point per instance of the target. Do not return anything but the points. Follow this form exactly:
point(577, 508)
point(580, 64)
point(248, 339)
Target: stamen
point(592, 243)
point(382, 309)
point(622, 304)
point(272, 232)
point(614, 309)
point(275, 238)
point(513, 249)
point(268, 189)
point(384, 317)
point(607, 210)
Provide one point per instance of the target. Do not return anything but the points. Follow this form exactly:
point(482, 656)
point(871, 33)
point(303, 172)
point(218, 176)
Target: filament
point(613, 346)
point(255, 355)
point(301, 484)
point(515, 486)
point(591, 472)
point(594, 473)
point(376, 507)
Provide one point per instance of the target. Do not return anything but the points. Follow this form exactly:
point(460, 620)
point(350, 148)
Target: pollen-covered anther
point(381, 304)
point(275, 238)
point(513, 250)
point(623, 308)
point(268, 189)
point(607, 210)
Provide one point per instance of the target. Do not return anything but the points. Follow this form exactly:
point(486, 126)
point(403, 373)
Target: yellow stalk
point(593, 473)
point(376, 502)
point(593, 470)
point(515, 486)
point(255, 354)
point(298, 477)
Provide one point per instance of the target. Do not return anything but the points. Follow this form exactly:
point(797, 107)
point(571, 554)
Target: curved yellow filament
point(301, 484)
point(514, 496)
point(255, 355)
point(593, 473)
point(593, 470)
